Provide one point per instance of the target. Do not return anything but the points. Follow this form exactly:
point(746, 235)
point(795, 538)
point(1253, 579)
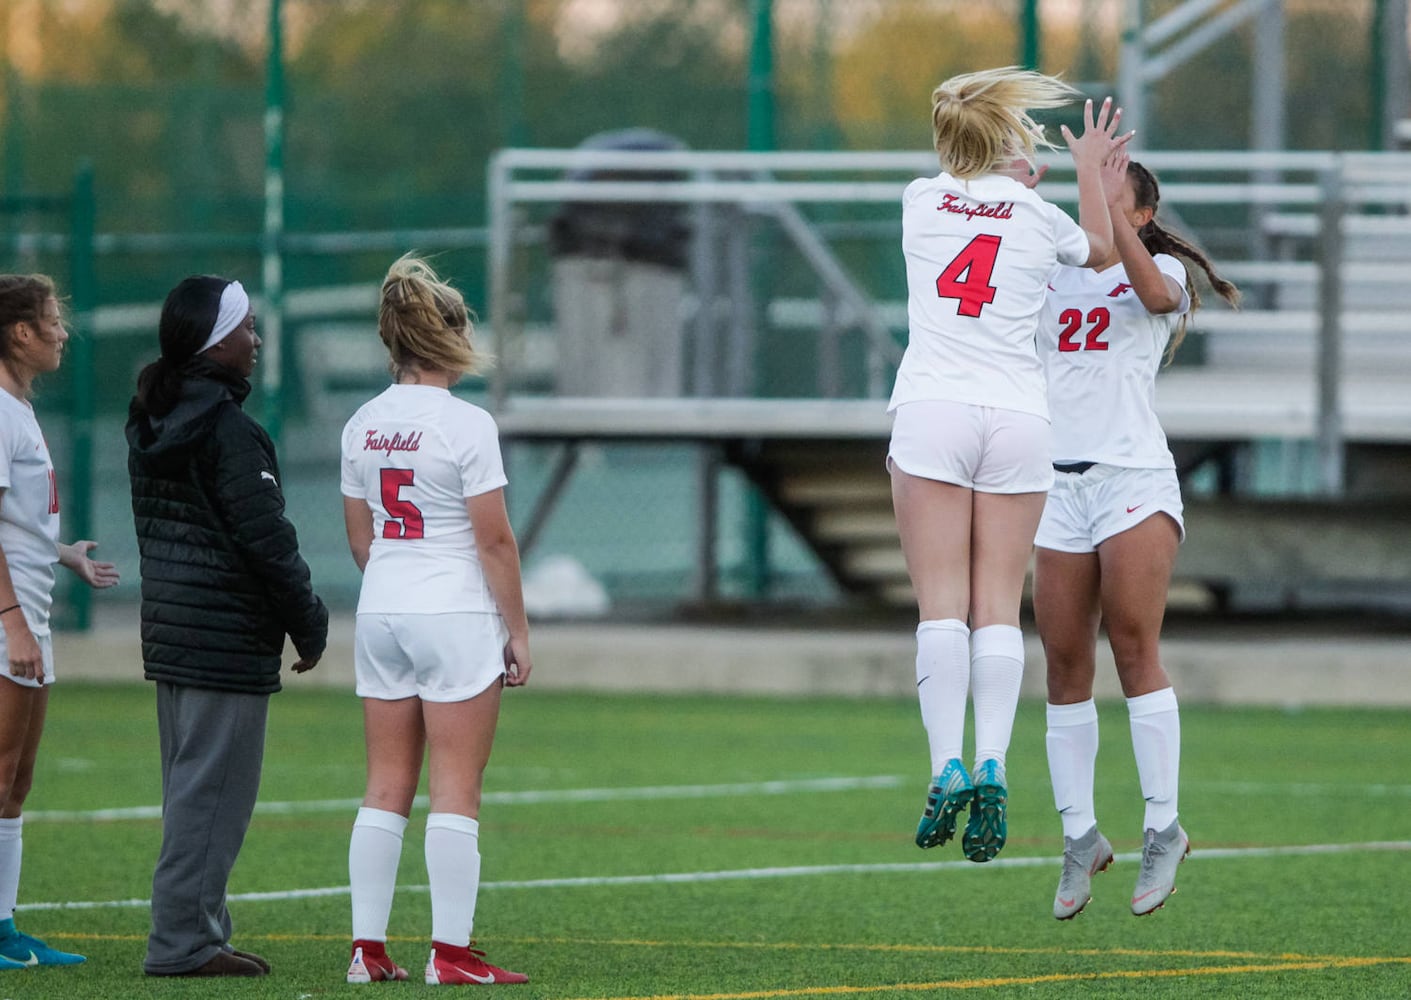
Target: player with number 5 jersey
point(1111, 527)
point(969, 455)
point(441, 628)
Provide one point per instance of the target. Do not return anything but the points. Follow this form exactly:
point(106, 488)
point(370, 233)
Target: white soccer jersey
point(978, 257)
point(415, 453)
point(29, 510)
point(1102, 349)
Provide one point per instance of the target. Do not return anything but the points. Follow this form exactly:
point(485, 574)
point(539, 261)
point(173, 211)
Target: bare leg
point(22, 713)
point(460, 735)
point(1002, 540)
point(1136, 575)
point(395, 746)
point(1068, 613)
point(933, 521)
point(396, 743)
point(1066, 609)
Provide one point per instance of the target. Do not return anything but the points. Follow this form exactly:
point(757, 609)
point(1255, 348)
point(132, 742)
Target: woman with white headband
point(222, 585)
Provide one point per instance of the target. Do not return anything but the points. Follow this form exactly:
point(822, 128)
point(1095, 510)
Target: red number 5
point(967, 277)
point(403, 517)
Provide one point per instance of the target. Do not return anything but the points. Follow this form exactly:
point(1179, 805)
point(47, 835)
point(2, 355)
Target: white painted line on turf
point(749, 874)
point(658, 792)
point(1301, 789)
point(534, 797)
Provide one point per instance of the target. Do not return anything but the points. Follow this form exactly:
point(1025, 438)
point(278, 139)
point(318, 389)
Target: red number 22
point(1072, 321)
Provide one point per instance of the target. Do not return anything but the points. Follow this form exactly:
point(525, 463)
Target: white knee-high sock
point(1072, 759)
point(453, 866)
point(996, 668)
point(374, 851)
point(11, 849)
point(1156, 743)
point(942, 683)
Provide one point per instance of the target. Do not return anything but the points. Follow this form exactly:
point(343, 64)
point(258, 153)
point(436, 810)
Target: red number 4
point(967, 277)
point(403, 517)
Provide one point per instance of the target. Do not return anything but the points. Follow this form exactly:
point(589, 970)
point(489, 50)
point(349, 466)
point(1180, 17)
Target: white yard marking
point(649, 792)
point(535, 797)
point(749, 874)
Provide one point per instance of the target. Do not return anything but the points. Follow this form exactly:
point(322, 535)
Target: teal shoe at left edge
point(24, 950)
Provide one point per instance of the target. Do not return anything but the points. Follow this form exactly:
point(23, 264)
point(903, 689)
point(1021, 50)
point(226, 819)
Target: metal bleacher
point(1318, 361)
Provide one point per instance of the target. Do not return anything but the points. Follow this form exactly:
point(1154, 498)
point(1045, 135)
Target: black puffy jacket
point(222, 578)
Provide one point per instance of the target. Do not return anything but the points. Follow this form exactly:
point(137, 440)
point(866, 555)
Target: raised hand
point(1099, 138)
point(1114, 174)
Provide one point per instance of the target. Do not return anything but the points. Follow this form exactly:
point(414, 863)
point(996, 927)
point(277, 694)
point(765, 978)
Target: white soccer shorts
point(1084, 509)
point(46, 651)
point(987, 449)
point(450, 657)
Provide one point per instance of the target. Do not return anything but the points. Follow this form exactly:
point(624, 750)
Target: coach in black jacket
point(222, 585)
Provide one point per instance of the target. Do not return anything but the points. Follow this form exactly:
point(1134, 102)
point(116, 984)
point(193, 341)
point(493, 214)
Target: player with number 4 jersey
point(1111, 527)
point(969, 454)
point(440, 629)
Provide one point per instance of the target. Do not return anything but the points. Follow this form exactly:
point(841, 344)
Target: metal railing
point(1287, 220)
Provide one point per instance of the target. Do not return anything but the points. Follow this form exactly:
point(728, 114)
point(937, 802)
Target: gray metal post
point(740, 374)
point(498, 257)
point(830, 348)
point(708, 462)
point(1268, 117)
point(705, 279)
point(1267, 125)
point(272, 242)
point(1329, 356)
point(1396, 83)
point(1131, 87)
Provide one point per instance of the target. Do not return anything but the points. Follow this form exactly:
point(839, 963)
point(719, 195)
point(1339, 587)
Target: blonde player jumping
point(440, 627)
point(1111, 527)
point(969, 454)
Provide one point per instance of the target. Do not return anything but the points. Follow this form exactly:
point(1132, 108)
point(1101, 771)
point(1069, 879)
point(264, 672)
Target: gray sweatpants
point(212, 745)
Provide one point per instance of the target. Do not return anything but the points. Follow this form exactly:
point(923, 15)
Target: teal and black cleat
point(986, 830)
point(25, 950)
point(949, 794)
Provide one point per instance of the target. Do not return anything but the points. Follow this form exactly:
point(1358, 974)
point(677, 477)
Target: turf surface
point(803, 810)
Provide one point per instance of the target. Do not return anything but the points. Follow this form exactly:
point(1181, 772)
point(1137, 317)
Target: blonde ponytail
point(424, 322)
point(980, 121)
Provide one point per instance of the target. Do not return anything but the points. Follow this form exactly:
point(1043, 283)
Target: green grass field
point(714, 847)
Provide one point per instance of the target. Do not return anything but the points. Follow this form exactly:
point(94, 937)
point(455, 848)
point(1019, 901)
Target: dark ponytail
point(1158, 240)
point(188, 316)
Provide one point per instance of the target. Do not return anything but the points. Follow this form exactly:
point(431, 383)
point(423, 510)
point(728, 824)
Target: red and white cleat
point(372, 965)
point(451, 966)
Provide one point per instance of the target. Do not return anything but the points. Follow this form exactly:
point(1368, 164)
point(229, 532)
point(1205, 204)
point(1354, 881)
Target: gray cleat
point(1162, 853)
point(1082, 859)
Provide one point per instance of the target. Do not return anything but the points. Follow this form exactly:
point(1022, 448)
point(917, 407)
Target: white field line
point(1294, 789)
point(552, 795)
point(650, 792)
point(751, 874)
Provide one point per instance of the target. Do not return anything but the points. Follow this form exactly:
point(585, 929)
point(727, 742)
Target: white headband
point(234, 307)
